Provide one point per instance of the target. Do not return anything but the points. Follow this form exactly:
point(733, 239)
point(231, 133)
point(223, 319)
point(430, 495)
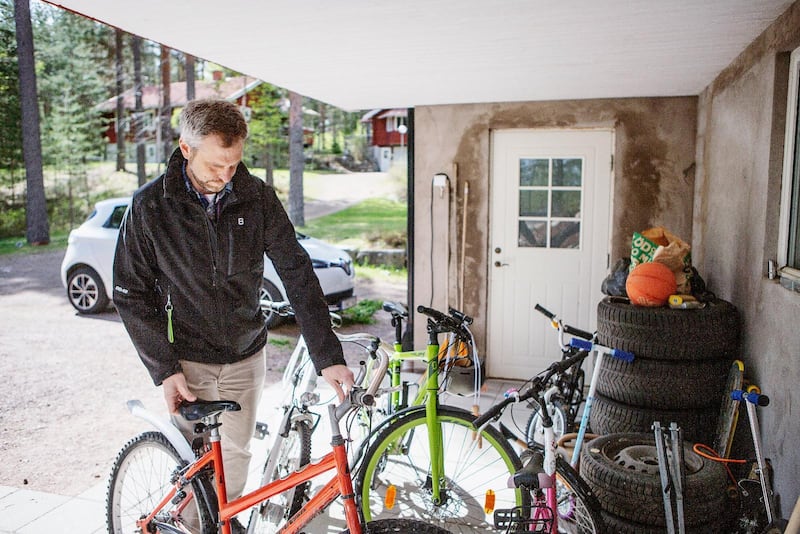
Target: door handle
point(500, 264)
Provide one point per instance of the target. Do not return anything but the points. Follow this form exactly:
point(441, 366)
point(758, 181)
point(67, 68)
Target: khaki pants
point(242, 382)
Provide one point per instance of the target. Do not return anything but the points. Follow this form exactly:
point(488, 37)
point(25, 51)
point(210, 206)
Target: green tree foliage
point(74, 72)
point(267, 140)
point(10, 129)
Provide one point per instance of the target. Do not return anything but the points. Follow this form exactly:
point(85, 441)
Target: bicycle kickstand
point(672, 476)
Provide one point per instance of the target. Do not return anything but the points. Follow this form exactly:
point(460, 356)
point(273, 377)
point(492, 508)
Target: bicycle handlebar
point(535, 389)
point(544, 311)
point(451, 323)
point(363, 397)
point(588, 346)
point(751, 397)
point(567, 329)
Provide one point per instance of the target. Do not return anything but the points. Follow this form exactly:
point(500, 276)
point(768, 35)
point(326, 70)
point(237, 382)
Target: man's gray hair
point(204, 117)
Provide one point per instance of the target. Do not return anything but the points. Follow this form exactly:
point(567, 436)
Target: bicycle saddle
point(193, 411)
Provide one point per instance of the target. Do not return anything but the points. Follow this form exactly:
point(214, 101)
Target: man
point(187, 276)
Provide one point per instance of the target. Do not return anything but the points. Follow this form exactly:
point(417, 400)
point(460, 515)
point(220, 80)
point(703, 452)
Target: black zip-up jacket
point(170, 253)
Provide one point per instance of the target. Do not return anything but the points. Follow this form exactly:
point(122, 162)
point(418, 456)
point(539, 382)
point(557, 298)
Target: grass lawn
point(373, 223)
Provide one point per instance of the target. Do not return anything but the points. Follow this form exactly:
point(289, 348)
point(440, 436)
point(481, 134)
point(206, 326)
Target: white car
point(87, 268)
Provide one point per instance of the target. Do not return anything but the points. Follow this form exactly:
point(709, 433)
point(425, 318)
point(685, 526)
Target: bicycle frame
point(336, 460)
point(427, 396)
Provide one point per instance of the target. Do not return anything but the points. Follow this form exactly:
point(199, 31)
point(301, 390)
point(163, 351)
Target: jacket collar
point(174, 186)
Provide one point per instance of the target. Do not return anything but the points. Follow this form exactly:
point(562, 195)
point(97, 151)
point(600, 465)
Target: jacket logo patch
point(241, 221)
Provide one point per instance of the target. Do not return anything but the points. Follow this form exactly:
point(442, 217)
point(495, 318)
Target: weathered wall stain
point(654, 147)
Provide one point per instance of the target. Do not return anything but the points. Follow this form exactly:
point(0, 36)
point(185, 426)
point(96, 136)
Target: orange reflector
point(488, 503)
point(391, 495)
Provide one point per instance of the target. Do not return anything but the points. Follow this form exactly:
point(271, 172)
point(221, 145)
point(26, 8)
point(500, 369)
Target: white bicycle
point(291, 446)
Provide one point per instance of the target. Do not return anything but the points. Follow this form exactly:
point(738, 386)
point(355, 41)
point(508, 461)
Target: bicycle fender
point(164, 426)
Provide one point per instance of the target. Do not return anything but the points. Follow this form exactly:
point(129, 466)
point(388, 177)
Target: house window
point(789, 234)
point(550, 196)
point(393, 123)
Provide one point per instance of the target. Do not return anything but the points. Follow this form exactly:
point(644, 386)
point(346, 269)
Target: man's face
point(211, 165)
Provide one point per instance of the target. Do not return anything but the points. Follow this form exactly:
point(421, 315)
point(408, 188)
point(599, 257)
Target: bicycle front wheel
point(141, 477)
point(293, 453)
point(395, 478)
point(579, 510)
point(534, 432)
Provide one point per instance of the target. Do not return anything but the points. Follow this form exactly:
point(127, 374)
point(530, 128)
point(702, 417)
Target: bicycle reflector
point(391, 496)
point(488, 501)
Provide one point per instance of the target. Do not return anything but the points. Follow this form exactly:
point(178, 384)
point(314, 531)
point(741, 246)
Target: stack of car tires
point(679, 373)
point(681, 364)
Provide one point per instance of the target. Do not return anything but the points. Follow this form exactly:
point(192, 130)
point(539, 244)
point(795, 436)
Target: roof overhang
point(360, 54)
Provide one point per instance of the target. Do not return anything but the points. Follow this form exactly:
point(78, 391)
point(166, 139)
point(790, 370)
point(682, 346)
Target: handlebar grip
point(493, 412)
point(430, 312)
point(544, 311)
point(581, 344)
point(463, 317)
point(571, 330)
point(623, 355)
point(589, 346)
point(752, 397)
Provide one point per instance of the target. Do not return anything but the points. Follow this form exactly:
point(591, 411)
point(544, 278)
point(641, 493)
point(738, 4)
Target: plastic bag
point(614, 284)
point(661, 245)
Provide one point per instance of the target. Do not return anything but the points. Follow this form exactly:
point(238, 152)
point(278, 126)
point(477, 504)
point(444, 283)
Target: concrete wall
point(741, 121)
point(653, 183)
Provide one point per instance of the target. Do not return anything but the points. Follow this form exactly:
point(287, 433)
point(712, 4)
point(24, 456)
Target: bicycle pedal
point(261, 430)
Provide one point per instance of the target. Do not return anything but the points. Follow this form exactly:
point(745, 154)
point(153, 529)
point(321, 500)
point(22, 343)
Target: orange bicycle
point(158, 484)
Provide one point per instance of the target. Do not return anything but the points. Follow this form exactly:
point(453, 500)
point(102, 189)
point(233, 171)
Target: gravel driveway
point(66, 378)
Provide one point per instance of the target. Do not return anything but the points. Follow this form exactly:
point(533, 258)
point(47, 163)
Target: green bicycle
point(427, 460)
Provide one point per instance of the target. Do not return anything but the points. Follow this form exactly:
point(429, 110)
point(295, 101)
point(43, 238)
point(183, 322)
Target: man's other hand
point(176, 391)
point(339, 377)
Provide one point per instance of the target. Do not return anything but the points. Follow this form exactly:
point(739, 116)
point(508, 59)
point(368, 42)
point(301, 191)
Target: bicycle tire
point(579, 511)
point(471, 468)
point(141, 476)
point(294, 453)
point(534, 433)
point(404, 526)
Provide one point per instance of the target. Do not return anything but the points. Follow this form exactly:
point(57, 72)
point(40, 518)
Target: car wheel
point(270, 292)
point(86, 291)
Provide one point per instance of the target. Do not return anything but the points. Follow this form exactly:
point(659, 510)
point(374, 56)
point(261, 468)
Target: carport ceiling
point(359, 54)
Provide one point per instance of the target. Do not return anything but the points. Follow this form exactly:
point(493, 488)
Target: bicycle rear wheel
point(141, 477)
point(395, 478)
point(293, 453)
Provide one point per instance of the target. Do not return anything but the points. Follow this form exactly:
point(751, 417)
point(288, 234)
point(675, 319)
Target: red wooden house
point(387, 135)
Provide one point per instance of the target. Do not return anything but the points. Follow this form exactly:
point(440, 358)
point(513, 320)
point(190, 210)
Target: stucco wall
point(741, 121)
point(653, 183)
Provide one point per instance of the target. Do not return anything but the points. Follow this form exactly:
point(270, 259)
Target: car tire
point(664, 384)
point(86, 291)
point(711, 332)
point(611, 417)
point(622, 470)
point(270, 292)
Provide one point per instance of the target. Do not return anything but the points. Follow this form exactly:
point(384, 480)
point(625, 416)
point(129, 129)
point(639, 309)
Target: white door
point(549, 239)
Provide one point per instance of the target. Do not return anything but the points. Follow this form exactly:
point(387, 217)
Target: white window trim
point(788, 166)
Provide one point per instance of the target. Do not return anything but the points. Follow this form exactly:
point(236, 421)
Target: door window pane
point(565, 234)
point(533, 172)
point(566, 203)
point(532, 234)
point(567, 172)
point(533, 203)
